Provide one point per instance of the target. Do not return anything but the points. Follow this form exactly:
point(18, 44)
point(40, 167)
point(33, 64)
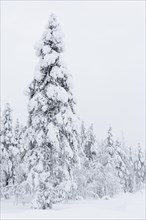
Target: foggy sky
point(105, 54)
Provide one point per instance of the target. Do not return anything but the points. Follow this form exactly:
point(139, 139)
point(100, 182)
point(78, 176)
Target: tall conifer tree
point(52, 133)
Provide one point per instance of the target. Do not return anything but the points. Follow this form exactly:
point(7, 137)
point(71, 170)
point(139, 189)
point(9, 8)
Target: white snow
point(124, 206)
point(46, 49)
point(70, 82)
point(52, 135)
point(58, 35)
point(49, 59)
point(48, 35)
point(68, 150)
point(40, 137)
point(38, 75)
point(52, 21)
point(56, 72)
point(57, 93)
point(32, 104)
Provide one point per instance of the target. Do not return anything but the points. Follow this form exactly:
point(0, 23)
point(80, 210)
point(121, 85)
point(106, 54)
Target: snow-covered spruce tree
point(81, 174)
point(107, 157)
point(17, 133)
point(90, 144)
point(108, 148)
point(51, 136)
point(6, 146)
point(124, 167)
point(116, 164)
point(95, 179)
point(86, 174)
point(131, 170)
point(18, 152)
point(139, 168)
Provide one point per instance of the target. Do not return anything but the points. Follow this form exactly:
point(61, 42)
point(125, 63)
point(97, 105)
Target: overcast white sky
point(105, 43)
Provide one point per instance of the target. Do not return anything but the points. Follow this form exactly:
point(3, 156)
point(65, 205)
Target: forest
point(55, 157)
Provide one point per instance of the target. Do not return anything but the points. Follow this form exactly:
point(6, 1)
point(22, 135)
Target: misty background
point(105, 53)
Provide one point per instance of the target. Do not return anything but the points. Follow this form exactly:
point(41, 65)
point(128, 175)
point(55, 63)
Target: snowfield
point(124, 206)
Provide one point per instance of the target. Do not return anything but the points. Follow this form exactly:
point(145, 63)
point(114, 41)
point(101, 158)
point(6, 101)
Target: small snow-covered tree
point(90, 144)
point(17, 152)
point(6, 146)
point(51, 139)
point(85, 175)
point(123, 167)
point(17, 133)
point(139, 168)
point(107, 156)
point(107, 149)
point(131, 170)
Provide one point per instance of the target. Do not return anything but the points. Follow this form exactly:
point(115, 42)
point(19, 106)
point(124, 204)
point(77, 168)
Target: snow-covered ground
point(124, 206)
